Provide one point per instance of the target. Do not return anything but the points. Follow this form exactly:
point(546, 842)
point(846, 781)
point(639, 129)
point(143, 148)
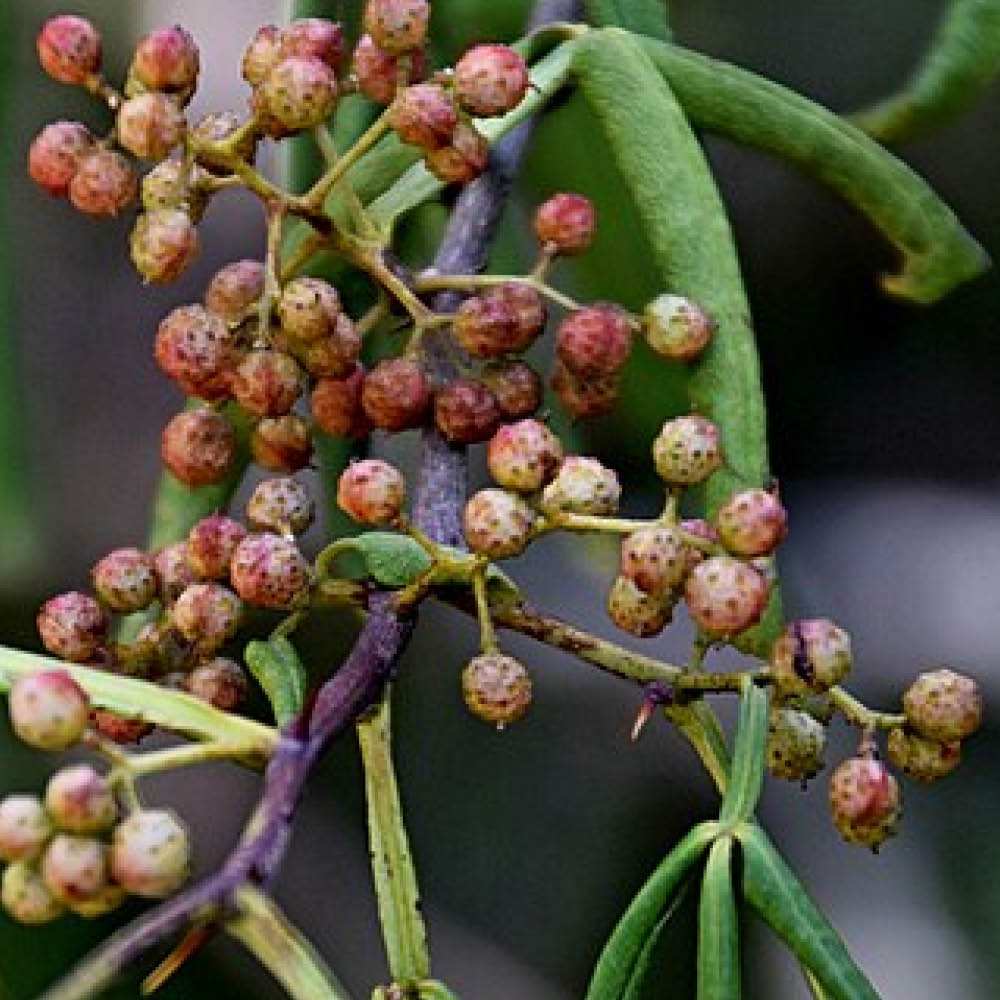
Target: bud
point(69, 48)
point(282, 444)
point(922, 759)
point(583, 398)
point(267, 383)
point(516, 386)
point(195, 348)
point(504, 319)
point(565, 223)
point(687, 451)
point(125, 580)
point(424, 115)
point(150, 853)
point(335, 404)
point(725, 596)
point(207, 614)
point(397, 25)
point(261, 54)
point(395, 395)
point(464, 158)
point(490, 80)
point(167, 59)
point(582, 486)
point(676, 328)
point(594, 341)
point(220, 682)
point(309, 309)
point(637, 612)
point(25, 896)
point(162, 244)
point(943, 705)
point(752, 523)
point(864, 801)
point(314, 37)
point(795, 745)
point(810, 655)
point(378, 73)
point(280, 505)
point(104, 183)
point(80, 800)
point(150, 125)
point(74, 868)
point(25, 827)
point(372, 492)
point(72, 626)
point(466, 412)
point(56, 153)
point(496, 688)
point(299, 92)
point(198, 447)
point(524, 456)
point(174, 572)
point(210, 547)
point(235, 289)
point(497, 523)
point(269, 571)
point(655, 559)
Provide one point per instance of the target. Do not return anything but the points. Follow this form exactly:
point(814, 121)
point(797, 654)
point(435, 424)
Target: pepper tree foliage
point(376, 133)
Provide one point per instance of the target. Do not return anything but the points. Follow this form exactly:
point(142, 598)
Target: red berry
point(752, 523)
point(282, 444)
point(195, 348)
point(234, 289)
point(395, 395)
point(725, 596)
point(655, 559)
point(210, 547)
point(104, 183)
point(424, 115)
point(378, 72)
point(583, 398)
point(466, 412)
point(25, 827)
point(371, 491)
point(687, 451)
point(864, 801)
point(594, 342)
point(207, 614)
point(517, 388)
point(150, 125)
point(922, 759)
point(125, 580)
point(524, 456)
point(198, 447)
point(73, 626)
point(502, 320)
point(330, 357)
point(69, 48)
point(74, 868)
point(280, 505)
point(810, 655)
point(167, 59)
point(637, 612)
point(315, 37)
point(676, 328)
point(261, 54)
point(299, 92)
point(25, 896)
point(490, 80)
point(496, 688)
point(173, 571)
point(309, 309)
point(497, 523)
point(269, 571)
point(80, 800)
point(464, 158)
point(56, 153)
point(150, 853)
point(336, 405)
point(220, 682)
point(565, 223)
point(163, 243)
point(397, 25)
point(119, 728)
point(582, 486)
point(48, 709)
point(943, 705)
point(267, 383)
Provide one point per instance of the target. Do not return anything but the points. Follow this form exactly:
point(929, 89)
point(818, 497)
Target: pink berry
point(174, 572)
point(378, 72)
point(150, 125)
point(69, 48)
point(195, 348)
point(517, 388)
point(125, 580)
point(150, 853)
point(466, 412)
point(497, 523)
point(464, 158)
point(637, 612)
point(280, 505)
point(80, 800)
point(655, 559)
point(595, 341)
point(922, 759)
point(269, 571)
point(490, 80)
point(299, 92)
point(74, 868)
point(864, 801)
point(424, 115)
point(676, 328)
point(25, 827)
point(261, 54)
point(235, 289)
point(104, 183)
point(524, 456)
point(502, 320)
point(336, 408)
point(220, 682)
point(687, 451)
point(752, 523)
point(943, 705)
point(282, 444)
point(496, 688)
point(73, 626)
point(397, 25)
point(810, 655)
point(333, 356)
point(267, 383)
point(372, 491)
point(725, 596)
point(582, 486)
point(162, 244)
point(198, 447)
point(210, 547)
point(565, 223)
point(583, 398)
point(56, 153)
point(395, 395)
point(315, 37)
point(309, 309)
point(167, 59)
point(207, 614)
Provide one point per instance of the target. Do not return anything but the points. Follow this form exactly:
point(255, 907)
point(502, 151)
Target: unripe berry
point(119, 728)
point(943, 705)
point(595, 341)
point(864, 801)
point(72, 626)
point(702, 529)
point(676, 328)
point(371, 491)
point(335, 404)
point(69, 48)
point(466, 412)
point(280, 505)
point(104, 183)
point(424, 115)
point(810, 655)
point(261, 55)
point(175, 184)
point(378, 72)
point(490, 80)
point(210, 547)
point(497, 523)
point(174, 572)
point(395, 395)
point(655, 559)
point(125, 580)
point(565, 223)
point(234, 289)
point(795, 745)
point(167, 59)
point(583, 398)
point(195, 348)
point(397, 25)
point(282, 444)
point(150, 125)
point(464, 158)
point(25, 897)
point(55, 155)
point(725, 596)
point(80, 800)
point(220, 682)
point(207, 614)
point(922, 759)
point(502, 320)
point(582, 486)
point(524, 456)
point(517, 388)
point(299, 92)
point(752, 523)
point(25, 827)
point(150, 853)
point(267, 383)
point(269, 571)
point(106, 901)
point(496, 688)
point(687, 451)
point(214, 128)
point(637, 612)
point(315, 37)
point(308, 309)
point(330, 357)
point(74, 868)
point(162, 244)
point(198, 447)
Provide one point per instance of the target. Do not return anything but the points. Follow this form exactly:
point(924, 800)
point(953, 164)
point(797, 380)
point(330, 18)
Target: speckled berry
point(162, 244)
point(72, 626)
point(496, 688)
point(269, 571)
point(210, 546)
point(299, 92)
point(25, 896)
point(335, 404)
point(150, 853)
point(234, 289)
point(516, 386)
point(267, 383)
point(497, 523)
point(207, 614)
point(378, 72)
point(565, 223)
point(700, 528)
point(80, 800)
point(752, 523)
point(196, 349)
point(795, 745)
point(655, 559)
point(69, 48)
point(167, 59)
point(424, 115)
point(74, 868)
point(198, 447)
point(25, 827)
point(583, 398)
point(676, 328)
point(104, 184)
point(582, 486)
point(282, 444)
point(174, 184)
point(943, 705)
point(864, 801)
point(397, 25)
point(316, 37)
point(524, 456)
point(174, 571)
point(372, 492)
point(150, 125)
point(395, 395)
point(261, 55)
point(687, 451)
point(125, 580)
point(118, 728)
point(725, 596)
point(308, 309)
point(212, 130)
point(220, 682)
point(922, 759)
point(281, 505)
point(466, 412)
point(464, 158)
point(333, 356)
point(813, 654)
point(502, 320)
point(55, 155)
point(595, 341)
point(637, 612)
point(490, 80)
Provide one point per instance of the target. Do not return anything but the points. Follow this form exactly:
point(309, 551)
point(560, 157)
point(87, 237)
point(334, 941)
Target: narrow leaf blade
point(718, 927)
point(647, 17)
point(748, 755)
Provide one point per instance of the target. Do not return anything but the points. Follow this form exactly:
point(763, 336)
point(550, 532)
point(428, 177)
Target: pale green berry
point(795, 745)
point(25, 827)
point(281, 505)
point(943, 705)
point(687, 451)
point(496, 688)
point(920, 758)
point(80, 800)
point(637, 612)
point(75, 868)
point(582, 486)
point(150, 853)
point(48, 709)
point(676, 328)
point(497, 523)
point(25, 896)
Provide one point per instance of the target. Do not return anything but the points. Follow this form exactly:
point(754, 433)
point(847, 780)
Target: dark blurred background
point(884, 428)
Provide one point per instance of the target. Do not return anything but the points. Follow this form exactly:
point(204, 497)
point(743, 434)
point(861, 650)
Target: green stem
point(469, 282)
point(317, 194)
point(189, 755)
point(860, 715)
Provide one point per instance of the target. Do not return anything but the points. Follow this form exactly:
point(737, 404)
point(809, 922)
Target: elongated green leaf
point(770, 887)
point(718, 927)
point(645, 966)
point(278, 670)
point(963, 58)
point(748, 756)
point(431, 989)
point(647, 17)
point(616, 964)
point(937, 252)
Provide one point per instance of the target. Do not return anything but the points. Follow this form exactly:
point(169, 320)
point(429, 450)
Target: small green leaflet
point(278, 670)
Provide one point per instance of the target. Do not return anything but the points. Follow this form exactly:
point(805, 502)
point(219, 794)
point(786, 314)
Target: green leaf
point(718, 927)
point(647, 17)
point(748, 756)
point(278, 670)
point(645, 967)
point(937, 252)
point(390, 559)
point(963, 58)
point(773, 891)
point(618, 959)
point(431, 989)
